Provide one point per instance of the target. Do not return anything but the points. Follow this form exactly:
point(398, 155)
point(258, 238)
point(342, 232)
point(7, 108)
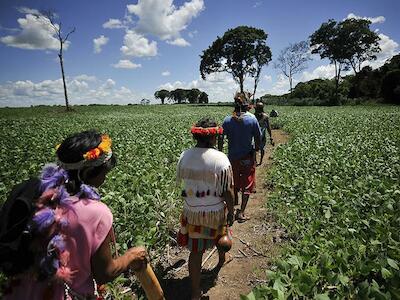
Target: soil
point(255, 243)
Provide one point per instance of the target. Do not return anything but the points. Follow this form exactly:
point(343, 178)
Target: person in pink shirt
point(71, 229)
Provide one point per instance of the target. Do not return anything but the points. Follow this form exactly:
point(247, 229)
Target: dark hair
point(72, 150)
point(205, 122)
point(241, 102)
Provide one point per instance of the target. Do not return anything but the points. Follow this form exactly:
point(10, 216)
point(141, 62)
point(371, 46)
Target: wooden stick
point(149, 283)
point(208, 256)
point(248, 245)
point(244, 254)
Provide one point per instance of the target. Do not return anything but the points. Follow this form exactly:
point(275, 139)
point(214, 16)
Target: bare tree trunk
point(64, 84)
point(254, 92)
point(241, 83)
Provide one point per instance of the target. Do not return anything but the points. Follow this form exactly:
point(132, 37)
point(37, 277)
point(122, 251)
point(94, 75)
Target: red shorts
point(244, 174)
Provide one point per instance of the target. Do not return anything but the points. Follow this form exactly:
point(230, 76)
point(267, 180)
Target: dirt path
point(255, 243)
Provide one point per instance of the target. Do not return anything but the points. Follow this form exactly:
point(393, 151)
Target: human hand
point(138, 258)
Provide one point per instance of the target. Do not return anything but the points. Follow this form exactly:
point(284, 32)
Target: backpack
point(15, 237)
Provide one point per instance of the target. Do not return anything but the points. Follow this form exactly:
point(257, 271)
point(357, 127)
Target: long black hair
point(72, 150)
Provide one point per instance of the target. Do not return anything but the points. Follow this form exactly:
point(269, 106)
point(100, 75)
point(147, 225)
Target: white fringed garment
point(207, 172)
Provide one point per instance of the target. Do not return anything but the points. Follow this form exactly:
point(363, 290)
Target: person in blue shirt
point(244, 137)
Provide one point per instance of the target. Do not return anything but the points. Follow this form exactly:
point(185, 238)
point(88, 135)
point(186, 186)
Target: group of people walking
point(61, 248)
point(213, 182)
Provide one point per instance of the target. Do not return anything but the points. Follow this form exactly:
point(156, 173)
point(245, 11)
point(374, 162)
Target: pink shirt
point(89, 222)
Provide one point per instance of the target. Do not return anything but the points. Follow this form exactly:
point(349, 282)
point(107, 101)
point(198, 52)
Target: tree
point(162, 95)
point(346, 44)
point(203, 98)
point(361, 44)
point(62, 38)
point(178, 95)
point(390, 88)
point(193, 95)
point(329, 43)
point(235, 53)
point(293, 60)
point(262, 57)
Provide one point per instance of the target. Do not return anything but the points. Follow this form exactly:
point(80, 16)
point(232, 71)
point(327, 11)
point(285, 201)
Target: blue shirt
point(241, 134)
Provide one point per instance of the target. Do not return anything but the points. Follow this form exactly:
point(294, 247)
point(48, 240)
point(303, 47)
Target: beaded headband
point(93, 158)
point(206, 131)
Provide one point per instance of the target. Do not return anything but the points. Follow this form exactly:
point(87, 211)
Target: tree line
point(182, 96)
point(381, 84)
point(243, 52)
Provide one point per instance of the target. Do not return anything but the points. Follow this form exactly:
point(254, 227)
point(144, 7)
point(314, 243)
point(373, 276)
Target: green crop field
point(336, 186)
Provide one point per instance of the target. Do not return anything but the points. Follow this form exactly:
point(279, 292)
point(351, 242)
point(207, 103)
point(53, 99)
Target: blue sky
point(123, 51)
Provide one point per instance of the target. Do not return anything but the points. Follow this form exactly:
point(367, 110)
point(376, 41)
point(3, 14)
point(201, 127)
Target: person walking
point(207, 192)
point(243, 133)
point(265, 126)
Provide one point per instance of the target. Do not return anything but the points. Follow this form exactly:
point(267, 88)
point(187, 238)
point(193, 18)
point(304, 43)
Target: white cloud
point(324, 72)
point(82, 89)
point(161, 18)
point(99, 42)
point(126, 64)
point(84, 77)
point(27, 10)
point(166, 73)
point(281, 86)
point(36, 33)
point(268, 78)
point(389, 48)
point(179, 42)
point(109, 84)
point(113, 24)
point(257, 4)
point(374, 20)
point(137, 45)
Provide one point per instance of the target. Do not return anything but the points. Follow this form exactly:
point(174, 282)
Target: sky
point(124, 51)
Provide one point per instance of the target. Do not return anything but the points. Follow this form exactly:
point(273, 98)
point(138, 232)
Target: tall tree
point(235, 53)
point(293, 60)
point(50, 17)
point(344, 45)
point(361, 44)
point(262, 57)
point(162, 95)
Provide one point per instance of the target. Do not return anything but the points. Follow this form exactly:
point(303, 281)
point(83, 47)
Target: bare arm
point(269, 129)
point(106, 269)
point(228, 198)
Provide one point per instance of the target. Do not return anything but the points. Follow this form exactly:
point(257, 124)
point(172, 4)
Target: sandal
point(240, 217)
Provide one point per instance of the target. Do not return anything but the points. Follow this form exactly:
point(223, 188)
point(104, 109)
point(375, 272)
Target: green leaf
point(393, 264)
point(386, 273)
point(343, 279)
point(328, 214)
point(295, 260)
point(250, 296)
point(322, 297)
